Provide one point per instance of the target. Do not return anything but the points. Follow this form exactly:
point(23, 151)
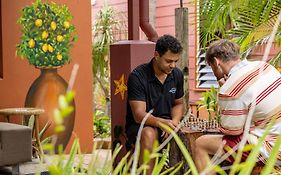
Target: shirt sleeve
point(180, 91)
point(136, 89)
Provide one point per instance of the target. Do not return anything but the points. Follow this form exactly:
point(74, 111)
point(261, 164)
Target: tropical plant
point(104, 33)
point(247, 22)
point(209, 101)
point(106, 30)
point(103, 36)
point(47, 34)
point(216, 18)
point(102, 124)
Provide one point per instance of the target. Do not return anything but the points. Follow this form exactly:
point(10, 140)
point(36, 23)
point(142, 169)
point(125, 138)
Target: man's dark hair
point(168, 42)
point(223, 49)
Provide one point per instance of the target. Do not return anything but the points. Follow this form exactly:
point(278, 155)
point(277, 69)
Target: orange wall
point(19, 75)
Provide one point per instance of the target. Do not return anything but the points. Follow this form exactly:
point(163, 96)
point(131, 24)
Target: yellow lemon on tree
point(31, 43)
point(45, 47)
point(45, 35)
point(60, 38)
point(38, 22)
point(50, 48)
point(59, 56)
point(53, 25)
point(66, 24)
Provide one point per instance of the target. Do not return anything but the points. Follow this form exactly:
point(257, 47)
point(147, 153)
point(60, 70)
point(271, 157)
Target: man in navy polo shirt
point(155, 85)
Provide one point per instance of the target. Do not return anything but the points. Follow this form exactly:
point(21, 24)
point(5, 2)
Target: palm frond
point(216, 17)
point(275, 61)
point(247, 22)
point(255, 24)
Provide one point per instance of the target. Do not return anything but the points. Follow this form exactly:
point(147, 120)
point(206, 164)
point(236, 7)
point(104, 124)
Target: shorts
point(230, 142)
point(132, 132)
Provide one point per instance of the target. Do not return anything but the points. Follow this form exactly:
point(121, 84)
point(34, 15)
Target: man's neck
point(227, 66)
point(158, 73)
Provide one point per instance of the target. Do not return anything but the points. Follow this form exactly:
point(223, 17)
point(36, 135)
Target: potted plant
point(47, 35)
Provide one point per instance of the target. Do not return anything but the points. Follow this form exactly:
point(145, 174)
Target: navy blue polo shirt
point(143, 85)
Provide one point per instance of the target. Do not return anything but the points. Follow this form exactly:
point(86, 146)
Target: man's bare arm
point(177, 111)
point(139, 112)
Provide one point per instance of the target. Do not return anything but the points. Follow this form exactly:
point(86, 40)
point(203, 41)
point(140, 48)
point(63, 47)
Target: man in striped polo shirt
point(250, 91)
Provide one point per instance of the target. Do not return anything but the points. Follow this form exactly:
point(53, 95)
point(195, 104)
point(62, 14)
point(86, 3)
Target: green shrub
point(102, 124)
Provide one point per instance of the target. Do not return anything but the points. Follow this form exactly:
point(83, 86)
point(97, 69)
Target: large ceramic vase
point(44, 93)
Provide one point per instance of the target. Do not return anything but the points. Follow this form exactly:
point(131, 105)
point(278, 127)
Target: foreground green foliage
point(73, 163)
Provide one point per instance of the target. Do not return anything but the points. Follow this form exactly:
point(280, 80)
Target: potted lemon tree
point(47, 35)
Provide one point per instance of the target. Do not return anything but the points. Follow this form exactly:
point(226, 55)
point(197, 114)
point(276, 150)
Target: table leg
point(36, 134)
point(7, 118)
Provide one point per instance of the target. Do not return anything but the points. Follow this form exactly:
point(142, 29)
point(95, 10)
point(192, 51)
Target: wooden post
point(182, 35)
point(181, 24)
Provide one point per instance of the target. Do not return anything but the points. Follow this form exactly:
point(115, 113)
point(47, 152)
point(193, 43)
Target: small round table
point(7, 112)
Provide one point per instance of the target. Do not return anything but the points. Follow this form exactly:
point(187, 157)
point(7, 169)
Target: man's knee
point(200, 142)
point(149, 135)
point(209, 143)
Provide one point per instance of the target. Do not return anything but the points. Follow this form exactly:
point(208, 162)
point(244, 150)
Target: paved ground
point(30, 168)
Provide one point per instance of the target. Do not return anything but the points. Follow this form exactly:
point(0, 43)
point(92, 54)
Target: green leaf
point(159, 166)
point(123, 161)
point(48, 147)
point(176, 169)
point(69, 96)
point(251, 160)
point(70, 161)
point(66, 111)
point(59, 128)
point(57, 117)
point(62, 102)
point(272, 157)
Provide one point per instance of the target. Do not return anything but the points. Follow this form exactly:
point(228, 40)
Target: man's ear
point(217, 61)
point(156, 55)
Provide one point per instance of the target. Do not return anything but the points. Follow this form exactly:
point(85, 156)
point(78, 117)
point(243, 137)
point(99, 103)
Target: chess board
point(194, 127)
point(200, 125)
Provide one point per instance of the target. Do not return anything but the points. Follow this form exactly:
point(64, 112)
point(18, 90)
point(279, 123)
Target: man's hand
point(222, 80)
point(172, 124)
